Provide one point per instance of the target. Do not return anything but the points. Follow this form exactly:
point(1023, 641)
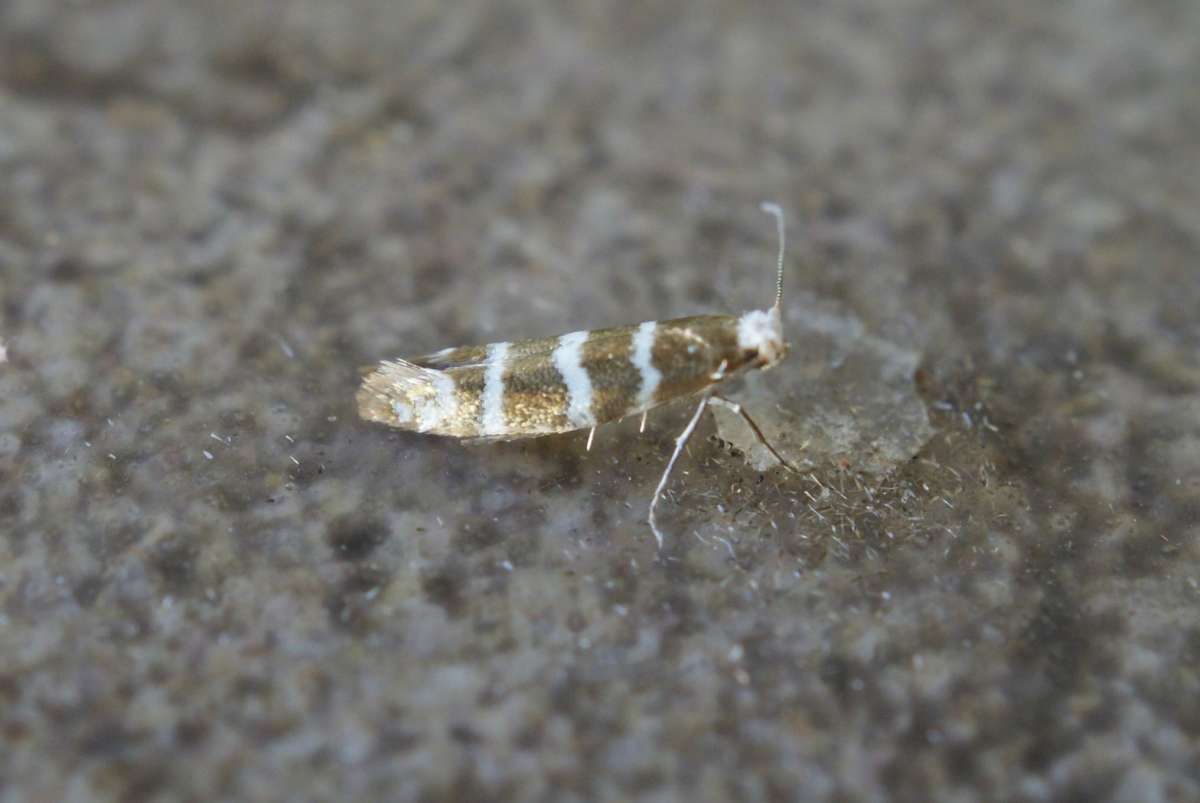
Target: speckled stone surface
point(217, 584)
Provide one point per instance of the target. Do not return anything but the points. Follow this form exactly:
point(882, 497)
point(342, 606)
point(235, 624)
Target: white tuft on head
point(761, 331)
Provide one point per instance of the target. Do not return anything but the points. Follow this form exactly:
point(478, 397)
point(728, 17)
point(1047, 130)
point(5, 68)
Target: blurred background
point(215, 583)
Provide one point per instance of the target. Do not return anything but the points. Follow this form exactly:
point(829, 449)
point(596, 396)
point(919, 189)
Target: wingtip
point(401, 394)
point(381, 385)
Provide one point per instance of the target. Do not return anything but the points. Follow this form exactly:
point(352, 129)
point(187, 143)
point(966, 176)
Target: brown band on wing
point(530, 348)
point(688, 352)
point(460, 357)
point(468, 390)
point(535, 396)
point(608, 360)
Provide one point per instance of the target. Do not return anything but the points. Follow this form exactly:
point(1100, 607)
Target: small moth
point(527, 388)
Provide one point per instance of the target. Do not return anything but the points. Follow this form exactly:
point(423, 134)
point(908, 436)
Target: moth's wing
point(455, 357)
point(398, 393)
point(533, 386)
point(473, 356)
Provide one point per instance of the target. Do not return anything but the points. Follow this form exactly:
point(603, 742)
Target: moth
point(527, 388)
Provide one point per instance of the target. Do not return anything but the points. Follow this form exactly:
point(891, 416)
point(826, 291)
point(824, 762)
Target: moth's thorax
point(761, 332)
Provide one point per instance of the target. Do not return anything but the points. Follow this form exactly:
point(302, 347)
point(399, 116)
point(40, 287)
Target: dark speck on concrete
point(353, 538)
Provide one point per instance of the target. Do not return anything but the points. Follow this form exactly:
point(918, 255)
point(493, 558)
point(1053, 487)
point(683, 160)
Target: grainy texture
point(215, 583)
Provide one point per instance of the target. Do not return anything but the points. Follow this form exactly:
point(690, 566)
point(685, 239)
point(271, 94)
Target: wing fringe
point(393, 381)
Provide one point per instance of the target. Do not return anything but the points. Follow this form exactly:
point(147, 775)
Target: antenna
point(776, 211)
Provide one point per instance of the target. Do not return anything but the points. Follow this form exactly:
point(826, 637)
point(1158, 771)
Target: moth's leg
point(718, 401)
point(591, 435)
point(680, 442)
point(642, 428)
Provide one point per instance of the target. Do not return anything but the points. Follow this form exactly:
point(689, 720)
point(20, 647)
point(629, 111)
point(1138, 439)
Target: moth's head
point(760, 333)
point(760, 337)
